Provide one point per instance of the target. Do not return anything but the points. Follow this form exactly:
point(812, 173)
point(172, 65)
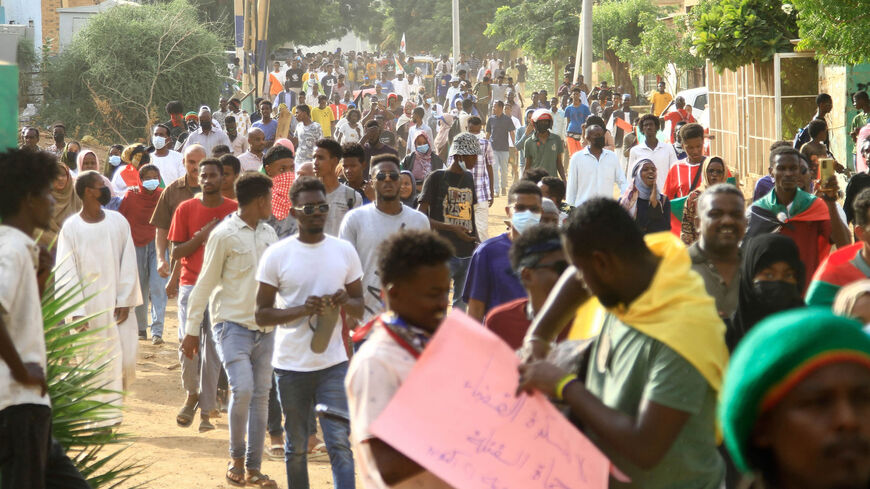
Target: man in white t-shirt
point(169, 162)
point(304, 280)
point(29, 456)
point(370, 225)
point(340, 197)
point(415, 276)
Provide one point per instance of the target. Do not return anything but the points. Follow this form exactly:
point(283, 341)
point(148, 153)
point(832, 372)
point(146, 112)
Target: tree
point(837, 31)
point(545, 29)
point(305, 23)
point(661, 46)
point(617, 23)
point(732, 33)
point(122, 68)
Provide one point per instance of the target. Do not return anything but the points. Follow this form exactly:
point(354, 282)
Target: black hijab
point(759, 253)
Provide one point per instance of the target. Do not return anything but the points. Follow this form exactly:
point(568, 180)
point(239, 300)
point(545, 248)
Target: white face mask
point(159, 142)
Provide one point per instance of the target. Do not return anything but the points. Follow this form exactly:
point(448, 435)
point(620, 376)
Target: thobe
point(102, 258)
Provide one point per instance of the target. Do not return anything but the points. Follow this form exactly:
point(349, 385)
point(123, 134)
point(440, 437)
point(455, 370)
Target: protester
point(852, 301)
point(31, 139)
point(490, 281)
point(339, 196)
point(324, 116)
point(680, 115)
point(133, 156)
point(239, 142)
point(449, 199)
point(370, 225)
point(58, 133)
point(277, 161)
point(654, 370)
point(169, 163)
point(227, 285)
point(207, 135)
point(349, 129)
point(192, 223)
point(500, 129)
point(483, 179)
point(308, 298)
point(415, 277)
point(650, 209)
point(660, 100)
point(593, 171)
point(422, 160)
point(714, 172)
point(66, 203)
point(32, 458)
point(232, 167)
point(545, 149)
point(846, 265)
point(252, 159)
point(797, 416)
point(662, 154)
point(69, 155)
point(138, 207)
point(771, 278)
point(97, 259)
point(824, 105)
point(684, 176)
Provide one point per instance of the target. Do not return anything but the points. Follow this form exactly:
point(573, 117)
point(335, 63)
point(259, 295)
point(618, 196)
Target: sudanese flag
point(838, 270)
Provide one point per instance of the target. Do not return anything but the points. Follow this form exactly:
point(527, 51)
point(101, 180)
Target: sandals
point(205, 425)
point(184, 418)
point(261, 480)
point(318, 449)
point(235, 475)
point(276, 452)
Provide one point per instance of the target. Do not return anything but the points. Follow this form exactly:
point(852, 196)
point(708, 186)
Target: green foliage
point(115, 78)
point(837, 31)
point(661, 46)
point(545, 29)
point(27, 61)
point(620, 22)
point(732, 33)
point(305, 23)
point(73, 383)
point(540, 76)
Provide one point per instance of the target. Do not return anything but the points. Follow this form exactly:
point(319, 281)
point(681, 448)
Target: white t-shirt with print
point(299, 270)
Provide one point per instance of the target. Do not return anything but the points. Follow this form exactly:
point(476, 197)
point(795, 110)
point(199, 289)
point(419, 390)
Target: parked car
point(697, 98)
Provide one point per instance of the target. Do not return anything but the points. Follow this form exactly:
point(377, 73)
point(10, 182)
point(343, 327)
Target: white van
point(697, 98)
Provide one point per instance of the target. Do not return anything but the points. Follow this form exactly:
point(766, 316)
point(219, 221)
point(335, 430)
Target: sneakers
point(143, 335)
point(156, 340)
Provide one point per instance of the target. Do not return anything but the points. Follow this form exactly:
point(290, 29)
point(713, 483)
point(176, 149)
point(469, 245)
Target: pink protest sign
point(456, 415)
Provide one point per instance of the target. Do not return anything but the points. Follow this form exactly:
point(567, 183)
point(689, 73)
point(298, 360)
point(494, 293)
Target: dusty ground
point(182, 457)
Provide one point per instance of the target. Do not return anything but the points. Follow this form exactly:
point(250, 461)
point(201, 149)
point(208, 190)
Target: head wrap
point(848, 296)
point(411, 201)
point(135, 154)
point(465, 144)
point(66, 203)
point(759, 253)
point(81, 158)
point(422, 161)
point(638, 189)
point(775, 356)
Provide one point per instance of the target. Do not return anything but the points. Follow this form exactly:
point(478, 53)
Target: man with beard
point(207, 135)
point(648, 399)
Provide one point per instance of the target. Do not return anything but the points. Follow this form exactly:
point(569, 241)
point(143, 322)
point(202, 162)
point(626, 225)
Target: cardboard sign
point(458, 416)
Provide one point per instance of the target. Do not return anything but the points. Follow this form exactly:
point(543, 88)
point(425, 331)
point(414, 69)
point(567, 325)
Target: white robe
point(102, 257)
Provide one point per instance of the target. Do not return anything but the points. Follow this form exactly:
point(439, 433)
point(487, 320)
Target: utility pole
point(455, 35)
point(586, 31)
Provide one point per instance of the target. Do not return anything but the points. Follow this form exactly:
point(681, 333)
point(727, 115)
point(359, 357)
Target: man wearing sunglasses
point(303, 280)
point(372, 224)
point(537, 259)
point(491, 282)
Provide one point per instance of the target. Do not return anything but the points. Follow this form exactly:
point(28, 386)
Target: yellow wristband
point(560, 386)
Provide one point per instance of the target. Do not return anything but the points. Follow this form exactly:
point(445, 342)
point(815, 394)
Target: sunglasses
point(382, 175)
point(309, 209)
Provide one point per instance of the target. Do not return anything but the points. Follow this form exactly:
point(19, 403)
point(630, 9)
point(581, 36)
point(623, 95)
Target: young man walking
point(340, 197)
point(310, 358)
point(227, 285)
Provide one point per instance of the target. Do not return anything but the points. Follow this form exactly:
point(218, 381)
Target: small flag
point(622, 124)
point(402, 46)
point(399, 66)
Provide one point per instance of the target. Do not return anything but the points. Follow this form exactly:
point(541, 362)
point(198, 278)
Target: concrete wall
point(24, 11)
point(51, 18)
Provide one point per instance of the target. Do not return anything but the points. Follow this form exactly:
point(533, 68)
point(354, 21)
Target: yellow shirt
point(324, 117)
point(660, 102)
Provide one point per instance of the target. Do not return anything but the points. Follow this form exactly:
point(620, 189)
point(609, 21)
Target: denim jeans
point(247, 357)
point(153, 287)
point(458, 273)
point(29, 456)
point(276, 419)
point(500, 171)
point(299, 392)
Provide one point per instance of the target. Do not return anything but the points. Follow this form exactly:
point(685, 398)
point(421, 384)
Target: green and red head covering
point(773, 358)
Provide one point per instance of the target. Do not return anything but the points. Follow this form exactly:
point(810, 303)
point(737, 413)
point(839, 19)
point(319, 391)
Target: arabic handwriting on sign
point(489, 445)
point(505, 404)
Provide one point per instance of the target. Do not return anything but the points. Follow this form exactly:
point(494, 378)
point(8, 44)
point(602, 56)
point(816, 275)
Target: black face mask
point(205, 125)
point(598, 142)
point(71, 156)
point(777, 295)
point(105, 196)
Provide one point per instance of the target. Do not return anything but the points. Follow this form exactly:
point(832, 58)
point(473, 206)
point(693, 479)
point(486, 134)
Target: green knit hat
point(776, 355)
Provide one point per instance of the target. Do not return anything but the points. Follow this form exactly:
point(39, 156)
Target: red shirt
point(510, 322)
point(190, 217)
point(138, 207)
point(675, 117)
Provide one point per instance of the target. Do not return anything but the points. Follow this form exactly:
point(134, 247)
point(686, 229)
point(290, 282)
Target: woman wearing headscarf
point(69, 156)
point(853, 301)
point(713, 171)
point(771, 278)
point(133, 156)
point(423, 160)
point(408, 189)
point(442, 140)
point(66, 203)
point(650, 209)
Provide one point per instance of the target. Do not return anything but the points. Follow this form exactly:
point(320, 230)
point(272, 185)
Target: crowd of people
point(314, 250)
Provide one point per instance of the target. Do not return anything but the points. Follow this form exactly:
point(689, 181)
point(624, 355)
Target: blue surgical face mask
point(114, 160)
point(461, 162)
point(423, 148)
point(150, 185)
point(523, 220)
